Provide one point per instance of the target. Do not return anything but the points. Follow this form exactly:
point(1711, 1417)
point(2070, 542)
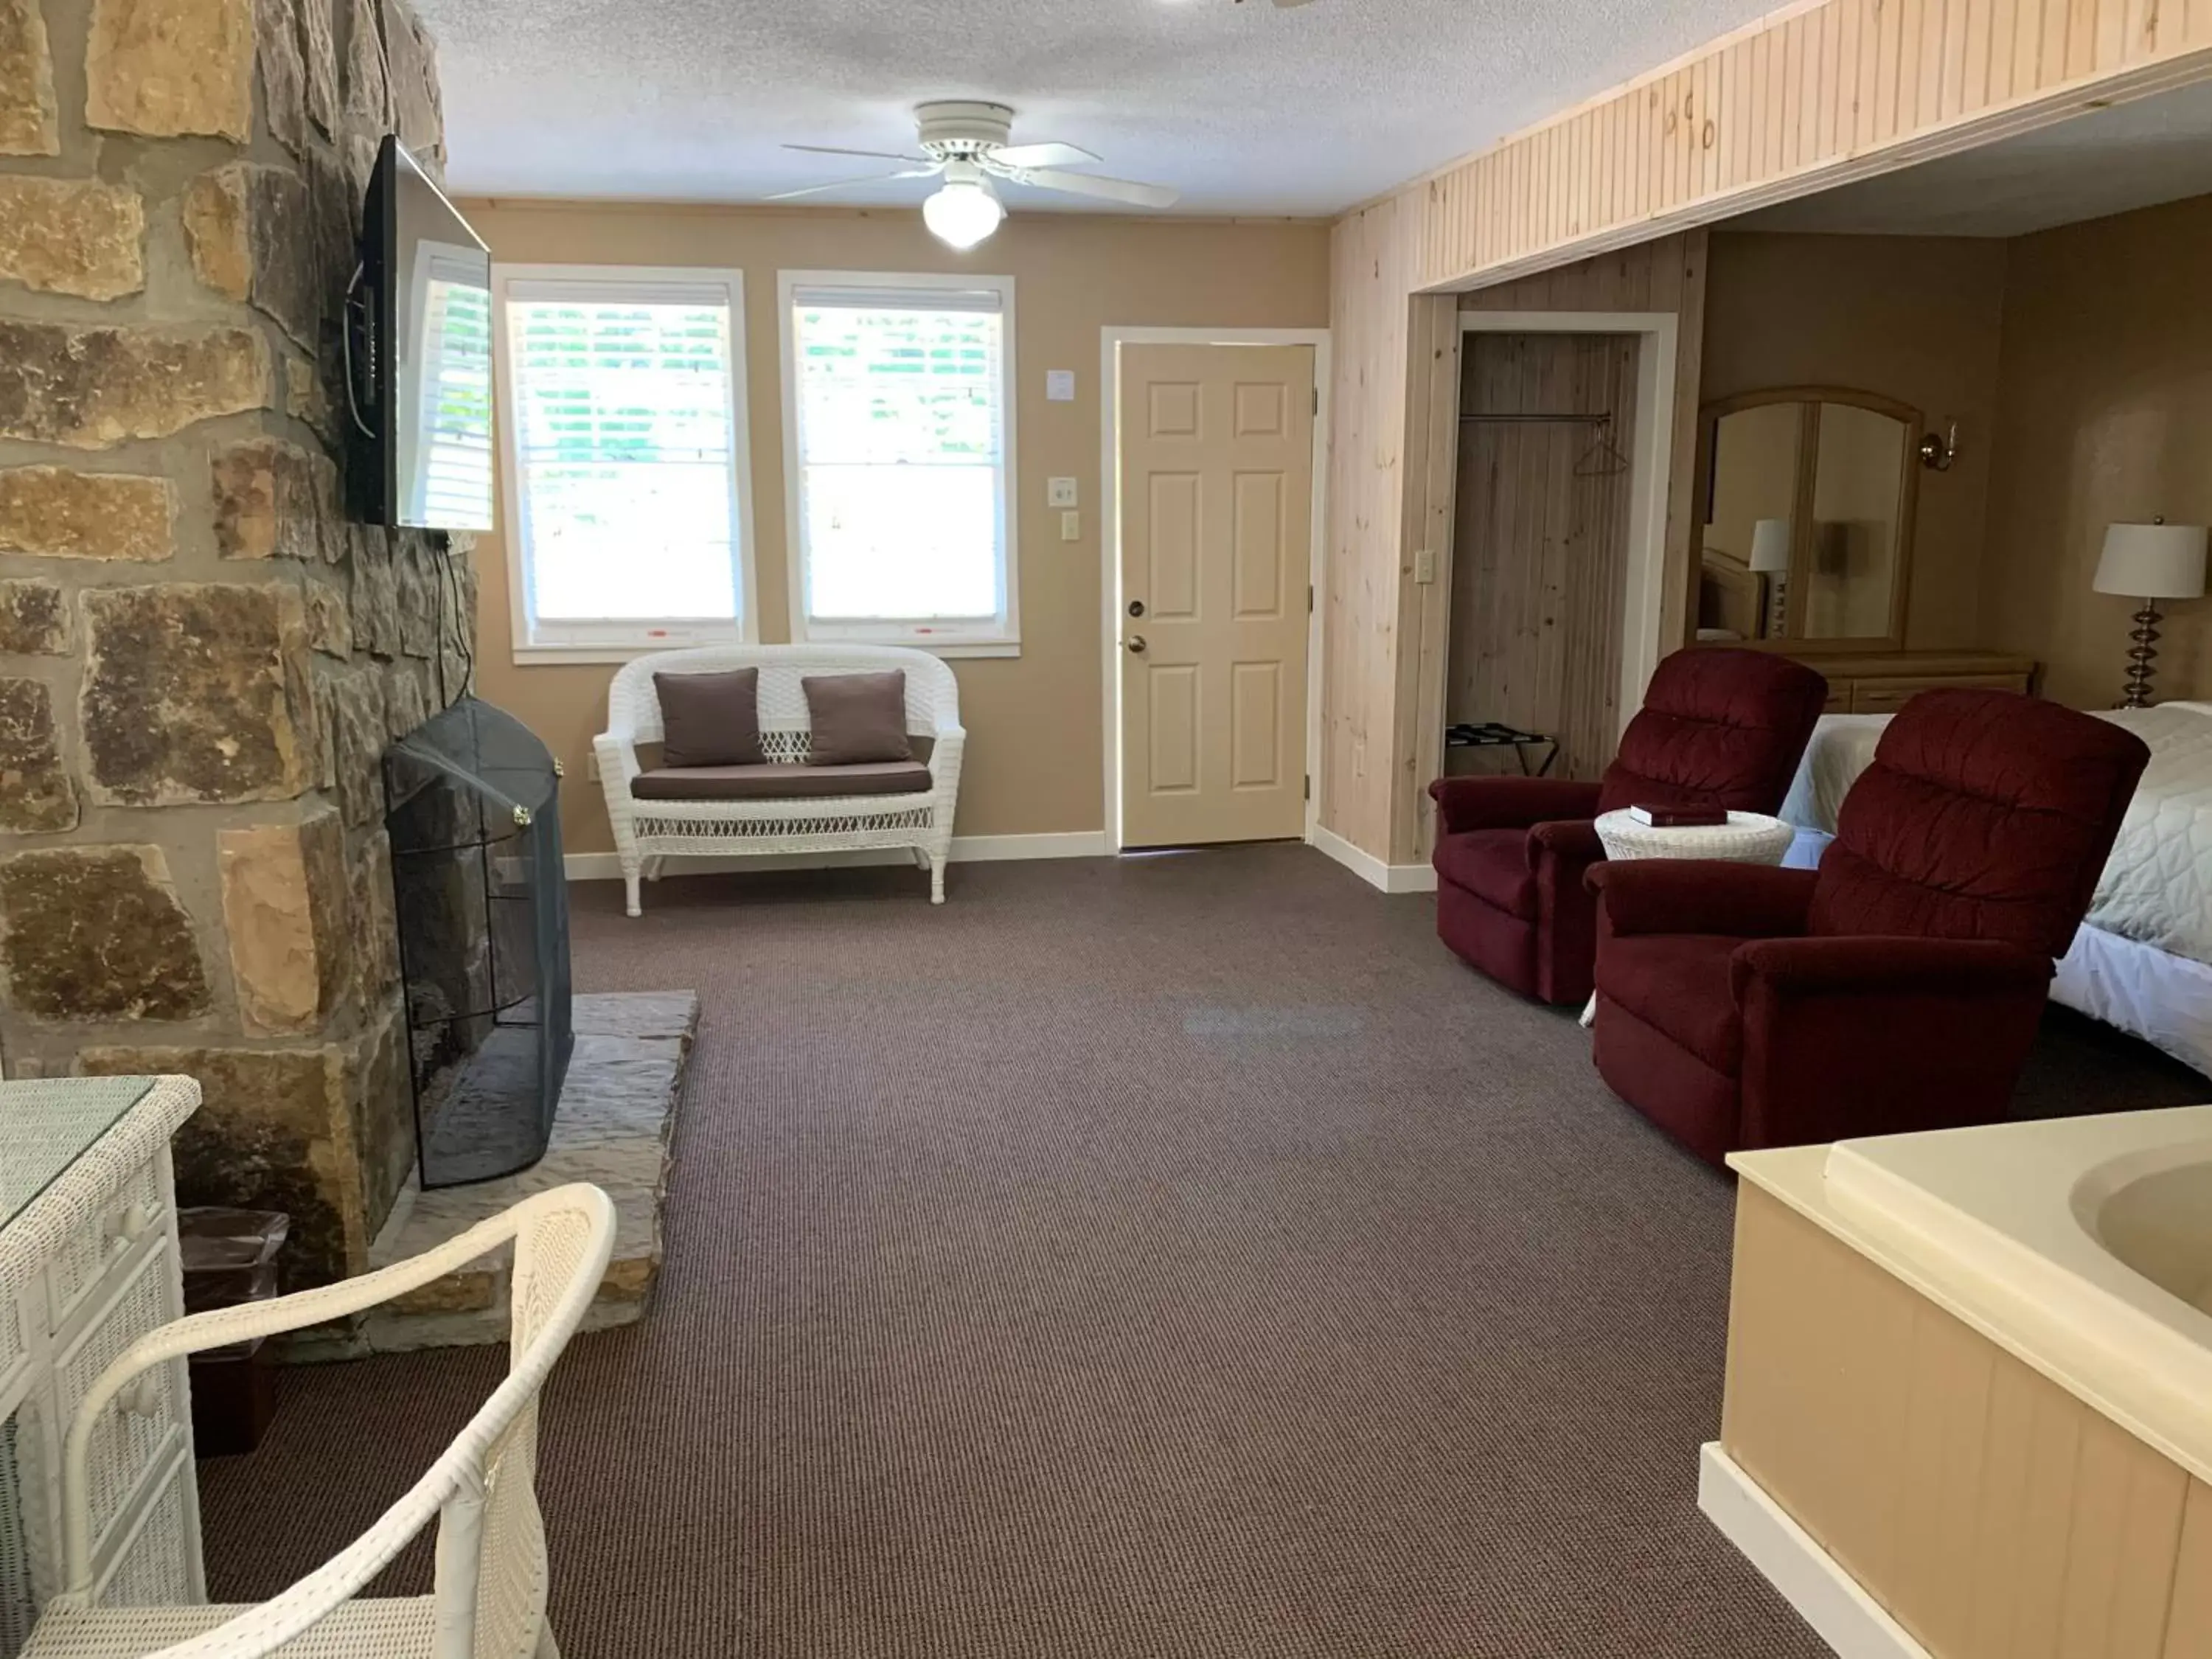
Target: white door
point(1216, 451)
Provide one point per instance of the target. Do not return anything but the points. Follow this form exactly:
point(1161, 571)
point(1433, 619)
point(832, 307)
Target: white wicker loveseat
point(647, 830)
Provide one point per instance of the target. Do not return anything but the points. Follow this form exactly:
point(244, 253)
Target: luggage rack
point(1495, 734)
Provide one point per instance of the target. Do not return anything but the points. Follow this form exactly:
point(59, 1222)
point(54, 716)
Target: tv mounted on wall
point(418, 357)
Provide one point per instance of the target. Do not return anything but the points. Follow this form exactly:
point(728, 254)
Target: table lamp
point(2150, 562)
point(1769, 556)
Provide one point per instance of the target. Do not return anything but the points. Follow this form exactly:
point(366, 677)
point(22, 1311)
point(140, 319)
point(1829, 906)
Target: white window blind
point(452, 480)
point(900, 456)
point(627, 457)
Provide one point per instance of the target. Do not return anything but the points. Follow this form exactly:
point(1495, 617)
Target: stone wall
point(200, 661)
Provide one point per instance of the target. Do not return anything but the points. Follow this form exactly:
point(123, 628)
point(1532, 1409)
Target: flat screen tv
point(418, 357)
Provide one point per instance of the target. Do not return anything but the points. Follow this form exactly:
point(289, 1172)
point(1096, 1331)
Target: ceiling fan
point(969, 145)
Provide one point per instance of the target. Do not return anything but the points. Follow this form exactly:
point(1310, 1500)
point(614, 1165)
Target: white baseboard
point(1390, 877)
point(1828, 1598)
point(966, 849)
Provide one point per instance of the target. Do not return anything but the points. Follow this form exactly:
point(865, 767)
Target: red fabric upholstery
point(1494, 865)
point(1694, 896)
point(1984, 815)
point(1721, 728)
point(1509, 802)
point(1678, 985)
point(1899, 987)
point(1718, 729)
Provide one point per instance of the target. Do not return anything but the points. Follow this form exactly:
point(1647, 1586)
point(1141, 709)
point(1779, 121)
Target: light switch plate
point(1424, 565)
point(1059, 492)
point(1071, 527)
point(1060, 385)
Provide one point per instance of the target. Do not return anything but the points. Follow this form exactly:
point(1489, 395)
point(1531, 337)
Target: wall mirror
point(1805, 511)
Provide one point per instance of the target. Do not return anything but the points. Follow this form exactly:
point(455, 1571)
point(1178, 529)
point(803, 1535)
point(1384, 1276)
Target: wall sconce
point(1936, 453)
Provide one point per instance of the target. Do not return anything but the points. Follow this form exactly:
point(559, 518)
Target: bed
point(2142, 961)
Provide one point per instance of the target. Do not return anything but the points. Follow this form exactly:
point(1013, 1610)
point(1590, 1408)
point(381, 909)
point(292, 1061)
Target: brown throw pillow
point(857, 718)
point(710, 719)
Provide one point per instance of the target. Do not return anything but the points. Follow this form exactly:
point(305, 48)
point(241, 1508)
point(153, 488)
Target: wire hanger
point(1603, 459)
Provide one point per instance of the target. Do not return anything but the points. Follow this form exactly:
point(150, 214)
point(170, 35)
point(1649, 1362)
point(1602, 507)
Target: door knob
point(1136, 607)
point(1136, 642)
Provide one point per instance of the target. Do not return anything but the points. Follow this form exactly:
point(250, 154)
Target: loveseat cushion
point(856, 718)
point(780, 781)
point(710, 719)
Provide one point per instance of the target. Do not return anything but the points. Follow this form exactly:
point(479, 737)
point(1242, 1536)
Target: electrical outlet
point(1359, 757)
point(1059, 492)
point(1071, 527)
point(1424, 565)
point(591, 764)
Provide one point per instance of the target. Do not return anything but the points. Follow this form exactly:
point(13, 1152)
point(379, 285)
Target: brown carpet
point(1175, 1256)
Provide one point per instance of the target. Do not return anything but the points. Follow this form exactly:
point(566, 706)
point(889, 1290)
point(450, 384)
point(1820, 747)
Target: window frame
point(1001, 636)
point(623, 641)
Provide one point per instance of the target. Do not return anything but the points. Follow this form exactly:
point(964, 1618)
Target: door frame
point(1651, 461)
point(1111, 338)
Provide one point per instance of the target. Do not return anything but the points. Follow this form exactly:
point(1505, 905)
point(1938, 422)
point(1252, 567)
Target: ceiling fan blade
point(1086, 183)
point(843, 184)
point(871, 155)
point(1043, 156)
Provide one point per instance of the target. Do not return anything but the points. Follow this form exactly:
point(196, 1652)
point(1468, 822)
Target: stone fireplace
point(201, 663)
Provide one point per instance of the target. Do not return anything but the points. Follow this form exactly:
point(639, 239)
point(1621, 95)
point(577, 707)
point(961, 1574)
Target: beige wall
point(1914, 318)
point(1034, 759)
point(2106, 414)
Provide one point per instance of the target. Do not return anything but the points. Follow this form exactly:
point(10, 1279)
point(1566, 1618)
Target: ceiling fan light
point(962, 212)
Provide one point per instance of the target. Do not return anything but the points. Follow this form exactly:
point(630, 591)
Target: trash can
point(230, 1258)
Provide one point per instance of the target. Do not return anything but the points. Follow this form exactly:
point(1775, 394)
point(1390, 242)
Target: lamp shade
point(1770, 544)
point(2153, 560)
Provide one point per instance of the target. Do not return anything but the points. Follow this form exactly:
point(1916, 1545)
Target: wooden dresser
point(88, 1264)
point(1882, 682)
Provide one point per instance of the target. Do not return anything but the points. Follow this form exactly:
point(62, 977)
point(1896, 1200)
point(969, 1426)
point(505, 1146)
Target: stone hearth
point(201, 661)
point(618, 1110)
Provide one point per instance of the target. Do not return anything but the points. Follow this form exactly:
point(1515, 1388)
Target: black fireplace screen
point(472, 801)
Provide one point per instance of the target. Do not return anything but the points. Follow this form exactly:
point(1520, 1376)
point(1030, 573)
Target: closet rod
point(1595, 419)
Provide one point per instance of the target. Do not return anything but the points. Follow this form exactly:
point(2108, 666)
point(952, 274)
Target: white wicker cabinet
point(88, 1264)
point(646, 831)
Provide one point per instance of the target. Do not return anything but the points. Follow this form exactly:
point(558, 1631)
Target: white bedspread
point(2157, 885)
point(1842, 747)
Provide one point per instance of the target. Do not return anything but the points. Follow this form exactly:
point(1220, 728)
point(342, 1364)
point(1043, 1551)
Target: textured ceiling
point(1241, 107)
point(2111, 160)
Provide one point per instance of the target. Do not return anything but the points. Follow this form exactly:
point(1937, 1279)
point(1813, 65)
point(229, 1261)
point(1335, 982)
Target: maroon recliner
point(1718, 729)
point(1899, 986)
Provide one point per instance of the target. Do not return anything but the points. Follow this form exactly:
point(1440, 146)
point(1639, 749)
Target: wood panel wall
point(1989, 1511)
point(1540, 543)
point(1801, 100)
point(1807, 98)
point(1374, 495)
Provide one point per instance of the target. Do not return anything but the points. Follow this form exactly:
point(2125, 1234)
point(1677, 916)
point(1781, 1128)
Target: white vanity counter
point(89, 1263)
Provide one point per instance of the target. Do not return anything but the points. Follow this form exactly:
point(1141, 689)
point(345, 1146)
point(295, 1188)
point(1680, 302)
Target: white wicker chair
point(646, 831)
point(489, 1601)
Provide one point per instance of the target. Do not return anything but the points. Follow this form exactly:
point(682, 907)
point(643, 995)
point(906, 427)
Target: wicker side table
point(1745, 838)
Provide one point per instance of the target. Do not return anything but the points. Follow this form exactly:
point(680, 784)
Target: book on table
point(1679, 818)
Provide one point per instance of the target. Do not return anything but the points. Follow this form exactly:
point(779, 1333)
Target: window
point(899, 459)
point(628, 495)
